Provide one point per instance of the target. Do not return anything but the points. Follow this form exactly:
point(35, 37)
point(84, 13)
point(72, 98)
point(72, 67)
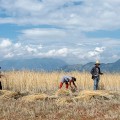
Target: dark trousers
point(0, 85)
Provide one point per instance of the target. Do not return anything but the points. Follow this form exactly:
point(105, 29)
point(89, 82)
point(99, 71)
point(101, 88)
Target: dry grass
point(64, 101)
point(63, 93)
point(99, 94)
point(4, 94)
point(35, 82)
point(35, 96)
point(37, 107)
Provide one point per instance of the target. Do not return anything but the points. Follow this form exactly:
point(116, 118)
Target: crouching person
point(68, 80)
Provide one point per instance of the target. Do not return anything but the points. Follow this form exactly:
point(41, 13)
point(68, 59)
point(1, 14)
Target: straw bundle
point(33, 98)
point(64, 101)
point(63, 92)
point(4, 94)
point(99, 94)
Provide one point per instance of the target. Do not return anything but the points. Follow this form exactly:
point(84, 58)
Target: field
point(30, 95)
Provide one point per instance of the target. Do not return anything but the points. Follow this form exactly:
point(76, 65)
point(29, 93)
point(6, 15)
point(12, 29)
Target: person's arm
point(74, 84)
point(92, 71)
point(100, 72)
point(70, 83)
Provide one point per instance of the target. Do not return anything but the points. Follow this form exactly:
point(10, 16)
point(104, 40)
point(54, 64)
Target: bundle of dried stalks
point(99, 94)
point(64, 101)
point(63, 92)
point(33, 98)
point(4, 94)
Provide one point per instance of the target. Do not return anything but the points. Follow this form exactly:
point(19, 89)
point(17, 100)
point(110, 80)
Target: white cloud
point(31, 50)
point(38, 33)
point(17, 45)
point(21, 7)
point(71, 52)
point(99, 49)
point(65, 23)
point(9, 55)
point(89, 15)
point(59, 53)
point(8, 49)
point(5, 43)
point(96, 52)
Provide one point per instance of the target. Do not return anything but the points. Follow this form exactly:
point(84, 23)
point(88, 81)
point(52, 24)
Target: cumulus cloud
point(8, 49)
point(63, 52)
point(99, 49)
point(96, 52)
point(60, 52)
point(17, 45)
point(31, 50)
point(5, 43)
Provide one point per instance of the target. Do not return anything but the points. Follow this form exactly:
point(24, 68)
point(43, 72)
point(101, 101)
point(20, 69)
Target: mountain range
point(108, 67)
point(53, 64)
point(37, 64)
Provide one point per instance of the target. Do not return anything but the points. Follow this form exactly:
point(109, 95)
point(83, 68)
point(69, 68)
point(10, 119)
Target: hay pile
point(33, 98)
point(64, 101)
point(63, 93)
point(99, 94)
point(4, 94)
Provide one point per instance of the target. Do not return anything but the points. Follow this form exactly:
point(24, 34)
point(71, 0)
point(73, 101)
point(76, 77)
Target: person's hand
point(71, 87)
point(76, 89)
point(101, 73)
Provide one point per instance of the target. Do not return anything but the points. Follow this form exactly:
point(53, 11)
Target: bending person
point(68, 80)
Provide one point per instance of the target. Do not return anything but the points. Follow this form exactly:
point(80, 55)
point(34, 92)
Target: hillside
point(52, 64)
point(109, 67)
point(38, 64)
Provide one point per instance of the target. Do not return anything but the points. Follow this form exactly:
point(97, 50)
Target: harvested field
point(35, 96)
point(87, 105)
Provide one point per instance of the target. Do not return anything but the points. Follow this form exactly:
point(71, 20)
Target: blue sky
point(77, 31)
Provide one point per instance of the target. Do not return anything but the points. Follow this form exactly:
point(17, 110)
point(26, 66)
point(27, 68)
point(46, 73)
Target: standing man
point(96, 72)
point(68, 80)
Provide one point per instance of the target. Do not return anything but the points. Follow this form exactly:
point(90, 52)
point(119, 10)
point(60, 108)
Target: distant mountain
point(69, 68)
point(109, 67)
point(52, 64)
point(38, 64)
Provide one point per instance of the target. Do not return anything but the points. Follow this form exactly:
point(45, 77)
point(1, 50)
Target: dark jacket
point(94, 72)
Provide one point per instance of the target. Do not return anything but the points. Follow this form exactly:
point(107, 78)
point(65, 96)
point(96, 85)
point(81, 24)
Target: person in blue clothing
point(96, 72)
point(68, 80)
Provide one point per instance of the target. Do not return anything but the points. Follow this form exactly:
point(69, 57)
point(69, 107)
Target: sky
point(76, 31)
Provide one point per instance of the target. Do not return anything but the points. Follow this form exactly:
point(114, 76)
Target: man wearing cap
point(68, 80)
point(96, 72)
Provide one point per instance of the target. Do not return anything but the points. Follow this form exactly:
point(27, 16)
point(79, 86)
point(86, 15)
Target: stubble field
point(30, 95)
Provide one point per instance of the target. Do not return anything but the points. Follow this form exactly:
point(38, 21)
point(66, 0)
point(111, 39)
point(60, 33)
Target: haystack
point(99, 94)
point(63, 93)
point(64, 101)
point(33, 98)
point(4, 94)
point(53, 97)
